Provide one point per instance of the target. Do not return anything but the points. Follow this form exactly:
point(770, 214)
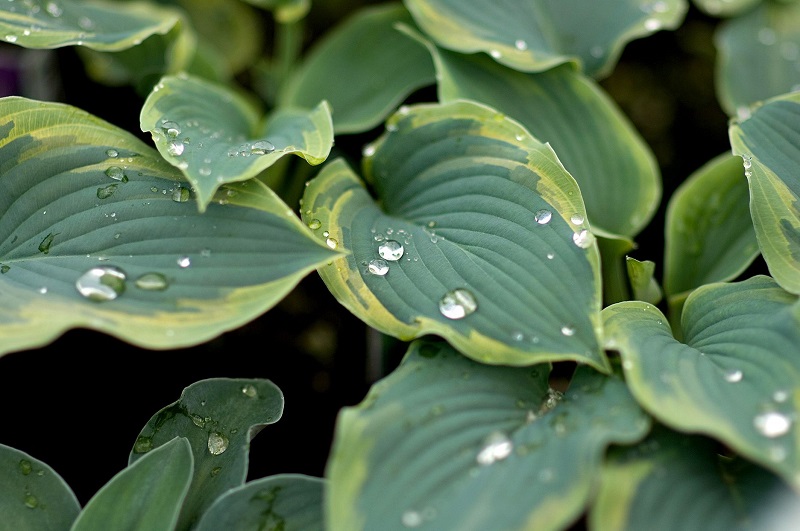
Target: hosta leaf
point(709, 234)
point(218, 417)
point(99, 25)
point(215, 136)
point(286, 11)
point(146, 496)
point(758, 56)
point(725, 8)
point(473, 213)
point(80, 196)
point(617, 172)
point(642, 279)
point(286, 502)
point(616, 281)
point(537, 35)
point(33, 495)
point(361, 92)
point(736, 377)
point(674, 481)
point(446, 443)
point(769, 144)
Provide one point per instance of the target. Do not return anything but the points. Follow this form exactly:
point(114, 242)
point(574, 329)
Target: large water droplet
point(101, 284)
point(261, 147)
point(391, 250)
point(117, 173)
point(176, 148)
point(181, 194)
point(105, 192)
point(250, 391)
point(378, 267)
point(457, 304)
point(583, 238)
point(772, 424)
point(314, 224)
point(496, 447)
point(217, 443)
point(543, 216)
point(152, 282)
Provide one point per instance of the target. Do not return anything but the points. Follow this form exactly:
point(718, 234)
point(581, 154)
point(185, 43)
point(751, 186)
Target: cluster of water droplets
point(43, 15)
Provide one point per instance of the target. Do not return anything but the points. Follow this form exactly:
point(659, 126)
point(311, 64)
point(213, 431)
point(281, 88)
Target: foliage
point(465, 182)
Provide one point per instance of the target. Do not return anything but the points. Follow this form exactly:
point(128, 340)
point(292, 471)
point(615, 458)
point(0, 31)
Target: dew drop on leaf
point(152, 282)
point(180, 194)
point(250, 391)
point(261, 147)
point(217, 443)
point(117, 173)
point(391, 250)
point(583, 238)
point(411, 518)
point(175, 148)
point(105, 192)
point(184, 261)
point(25, 467)
point(733, 375)
point(101, 284)
point(314, 224)
point(31, 501)
point(457, 304)
point(772, 424)
point(143, 445)
point(496, 447)
point(543, 216)
point(378, 267)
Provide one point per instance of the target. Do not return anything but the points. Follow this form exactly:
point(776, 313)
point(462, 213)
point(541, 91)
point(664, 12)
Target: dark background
point(79, 403)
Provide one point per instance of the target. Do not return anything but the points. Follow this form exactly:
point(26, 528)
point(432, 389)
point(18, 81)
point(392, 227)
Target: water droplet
point(152, 282)
point(777, 453)
point(198, 421)
point(546, 475)
point(314, 224)
point(106, 191)
point(250, 391)
point(368, 151)
point(101, 284)
point(583, 238)
point(550, 256)
point(780, 396)
point(576, 219)
point(25, 467)
point(652, 24)
point(261, 147)
point(457, 304)
point(772, 424)
point(170, 128)
point(411, 518)
point(143, 445)
point(767, 37)
point(117, 173)
point(11, 38)
point(378, 267)
point(113, 153)
point(217, 443)
point(176, 148)
point(181, 194)
point(43, 290)
point(596, 52)
point(543, 216)
point(568, 330)
point(331, 242)
point(184, 261)
point(391, 250)
point(517, 335)
point(216, 470)
point(521, 45)
point(496, 54)
point(733, 375)
point(496, 447)
point(31, 502)
point(747, 162)
point(4, 268)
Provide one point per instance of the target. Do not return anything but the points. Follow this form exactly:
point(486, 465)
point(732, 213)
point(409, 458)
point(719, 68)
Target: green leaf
point(285, 11)
point(736, 377)
point(286, 502)
point(725, 8)
point(213, 135)
point(758, 54)
point(709, 236)
point(461, 188)
point(769, 144)
point(146, 496)
point(79, 195)
point(33, 495)
point(219, 417)
point(617, 172)
point(447, 443)
point(643, 283)
point(613, 254)
point(361, 92)
point(537, 35)
point(674, 481)
point(107, 26)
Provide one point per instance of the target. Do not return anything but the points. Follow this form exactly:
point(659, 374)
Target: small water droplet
point(113, 153)
point(314, 224)
point(31, 502)
point(11, 38)
point(521, 45)
point(777, 453)
point(747, 162)
point(596, 52)
point(411, 518)
point(176, 148)
point(550, 256)
point(105, 192)
point(583, 238)
point(546, 475)
point(767, 36)
point(568, 330)
point(152, 282)
point(101, 284)
point(496, 54)
point(543, 216)
point(4, 268)
point(181, 194)
point(517, 335)
point(43, 290)
point(496, 447)
point(772, 424)
point(733, 375)
point(652, 24)
point(576, 219)
point(250, 391)
point(216, 470)
point(170, 128)
point(143, 445)
point(368, 151)
point(184, 261)
point(780, 396)
point(391, 250)
point(217, 443)
point(117, 173)
point(331, 242)
point(378, 267)
point(25, 467)
point(457, 304)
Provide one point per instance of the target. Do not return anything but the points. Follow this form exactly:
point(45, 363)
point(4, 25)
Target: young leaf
point(709, 236)
point(146, 496)
point(99, 25)
point(97, 231)
point(769, 144)
point(213, 135)
point(286, 502)
point(737, 375)
point(33, 495)
point(363, 68)
point(480, 236)
point(673, 481)
point(447, 443)
point(725, 8)
point(219, 417)
point(540, 34)
point(643, 283)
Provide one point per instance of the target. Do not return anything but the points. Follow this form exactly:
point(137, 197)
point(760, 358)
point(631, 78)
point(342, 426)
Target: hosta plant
point(584, 344)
